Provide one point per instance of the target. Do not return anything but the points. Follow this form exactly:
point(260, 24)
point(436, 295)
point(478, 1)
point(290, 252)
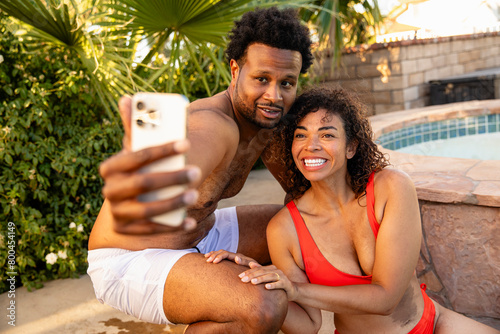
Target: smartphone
point(159, 118)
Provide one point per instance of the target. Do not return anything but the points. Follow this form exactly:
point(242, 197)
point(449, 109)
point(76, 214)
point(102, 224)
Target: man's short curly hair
point(345, 105)
point(273, 27)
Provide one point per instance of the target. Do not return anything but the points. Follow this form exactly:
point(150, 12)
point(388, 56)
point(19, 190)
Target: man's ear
point(351, 149)
point(235, 69)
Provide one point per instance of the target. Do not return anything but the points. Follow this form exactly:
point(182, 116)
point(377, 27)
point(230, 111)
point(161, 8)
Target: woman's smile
point(314, 162)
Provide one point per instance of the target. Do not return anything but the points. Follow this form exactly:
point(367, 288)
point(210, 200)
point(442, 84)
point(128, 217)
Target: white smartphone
point(159, 118)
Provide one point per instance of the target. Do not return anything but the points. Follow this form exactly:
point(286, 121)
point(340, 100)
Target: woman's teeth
point(314, 162)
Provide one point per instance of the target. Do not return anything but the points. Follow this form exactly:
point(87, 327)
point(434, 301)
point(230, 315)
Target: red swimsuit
point(320, 271)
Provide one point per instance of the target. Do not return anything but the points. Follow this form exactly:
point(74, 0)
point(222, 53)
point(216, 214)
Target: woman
point(349, 240)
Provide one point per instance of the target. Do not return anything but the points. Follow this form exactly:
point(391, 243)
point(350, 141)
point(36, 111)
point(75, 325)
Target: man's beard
point(249, 113)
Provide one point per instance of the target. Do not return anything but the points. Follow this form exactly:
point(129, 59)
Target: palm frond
point(55, 19)
point(108, 61)
point(199, 24)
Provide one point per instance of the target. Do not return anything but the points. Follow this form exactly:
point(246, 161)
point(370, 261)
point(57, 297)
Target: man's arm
point(213, 142)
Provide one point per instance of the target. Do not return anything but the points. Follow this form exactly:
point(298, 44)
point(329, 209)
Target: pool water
point(482, 147)
point(473, 137)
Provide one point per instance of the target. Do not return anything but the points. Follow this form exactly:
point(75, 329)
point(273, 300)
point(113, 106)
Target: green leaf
point(8, 90)
point(8, 159)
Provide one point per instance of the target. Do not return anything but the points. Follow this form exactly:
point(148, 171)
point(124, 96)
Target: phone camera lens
point(153, 114)
point(140, 122)
point(140, 105)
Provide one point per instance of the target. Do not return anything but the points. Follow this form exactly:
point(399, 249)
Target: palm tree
point(66, 25)
point(107, 36)
point(126, 45)
point(342, 23)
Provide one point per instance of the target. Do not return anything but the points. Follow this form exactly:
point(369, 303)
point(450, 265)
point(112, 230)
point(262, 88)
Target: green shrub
point(53, 135)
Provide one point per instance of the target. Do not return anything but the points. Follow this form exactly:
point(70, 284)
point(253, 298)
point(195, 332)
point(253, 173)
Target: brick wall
point(395, 76)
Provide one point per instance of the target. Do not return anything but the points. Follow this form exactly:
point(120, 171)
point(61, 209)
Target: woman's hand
point(242, 260)
point(272, 277)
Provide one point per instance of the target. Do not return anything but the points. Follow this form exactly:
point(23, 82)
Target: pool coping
point(441, 179)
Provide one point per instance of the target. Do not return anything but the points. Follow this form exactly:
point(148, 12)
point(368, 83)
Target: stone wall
point(395, 76)
point(454, 239)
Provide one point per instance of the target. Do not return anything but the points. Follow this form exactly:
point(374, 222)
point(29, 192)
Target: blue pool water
point(474, 137)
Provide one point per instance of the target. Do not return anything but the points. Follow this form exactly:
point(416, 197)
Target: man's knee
point(268, 311)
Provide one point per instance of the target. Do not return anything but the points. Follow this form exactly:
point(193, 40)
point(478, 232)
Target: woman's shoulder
point(392, 177)
point(393, 189)
point(392, 181)
point(283, 216)
point(282, 221)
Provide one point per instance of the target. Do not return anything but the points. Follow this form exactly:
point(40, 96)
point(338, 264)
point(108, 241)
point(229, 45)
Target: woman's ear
point(351, 149)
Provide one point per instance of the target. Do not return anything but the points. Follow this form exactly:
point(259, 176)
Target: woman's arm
point(281, 236)
point(396, 255)
point(283, 274)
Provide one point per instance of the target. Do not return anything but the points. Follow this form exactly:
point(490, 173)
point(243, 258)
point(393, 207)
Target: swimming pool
point(474, 137)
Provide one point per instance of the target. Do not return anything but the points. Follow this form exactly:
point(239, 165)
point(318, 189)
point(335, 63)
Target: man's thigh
point(199, 291)
point(252, 223)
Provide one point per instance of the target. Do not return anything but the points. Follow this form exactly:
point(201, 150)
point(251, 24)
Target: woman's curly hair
point(351, 111)
point(273, 27)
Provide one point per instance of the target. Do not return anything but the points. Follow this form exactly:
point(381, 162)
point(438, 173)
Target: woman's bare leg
point(451, 322)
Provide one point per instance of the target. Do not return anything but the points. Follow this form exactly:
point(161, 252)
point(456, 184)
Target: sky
point(463, 16)
point(386, 5)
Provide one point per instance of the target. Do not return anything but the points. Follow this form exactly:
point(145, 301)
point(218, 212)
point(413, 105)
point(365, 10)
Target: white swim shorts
point(133, 281)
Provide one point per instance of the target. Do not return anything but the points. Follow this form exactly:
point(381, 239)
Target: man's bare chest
point(228, 180)
point(234, 178)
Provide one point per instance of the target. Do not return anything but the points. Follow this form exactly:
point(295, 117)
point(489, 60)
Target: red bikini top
point(318, 269)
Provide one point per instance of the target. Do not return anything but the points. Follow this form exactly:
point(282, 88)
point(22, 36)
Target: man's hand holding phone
point(126, 177)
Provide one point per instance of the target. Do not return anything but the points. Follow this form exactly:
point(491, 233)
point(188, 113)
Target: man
point(157, 273)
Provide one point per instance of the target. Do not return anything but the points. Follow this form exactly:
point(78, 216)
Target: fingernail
point(245, 279)
point(189, 224)
point(237, 259)
point(268, 286)
point(193, 174)
point(254, 280)
point(190, 197)
point(241, 275)
point(181, 146)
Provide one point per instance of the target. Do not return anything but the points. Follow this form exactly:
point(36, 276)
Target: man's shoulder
point(211, 127)
point(214, 111)
point(213, 106)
